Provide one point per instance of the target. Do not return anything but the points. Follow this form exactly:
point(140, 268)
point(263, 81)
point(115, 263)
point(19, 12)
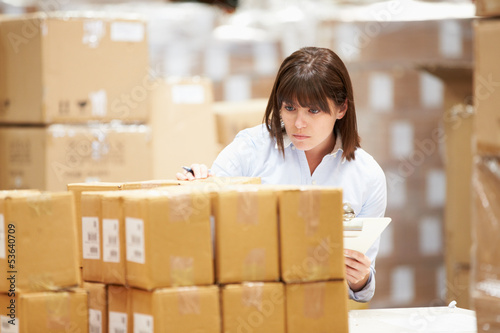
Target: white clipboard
point(361, 233)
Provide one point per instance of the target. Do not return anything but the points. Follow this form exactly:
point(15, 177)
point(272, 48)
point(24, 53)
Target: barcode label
point(95, 321)
point(90, 235)
point(143, 323)
point(117, 322)
point(2, 237)
point(111, 240)
point(134, 230)
point(7, 327)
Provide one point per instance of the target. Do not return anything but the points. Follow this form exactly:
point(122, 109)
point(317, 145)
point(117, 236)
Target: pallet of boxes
point(215, 257)
point(485, 287)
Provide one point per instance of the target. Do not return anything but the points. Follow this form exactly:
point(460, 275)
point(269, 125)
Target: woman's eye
point(289, 108)
point(313, 111)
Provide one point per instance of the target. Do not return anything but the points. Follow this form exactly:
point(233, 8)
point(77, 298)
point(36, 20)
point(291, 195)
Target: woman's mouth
point(300, 137)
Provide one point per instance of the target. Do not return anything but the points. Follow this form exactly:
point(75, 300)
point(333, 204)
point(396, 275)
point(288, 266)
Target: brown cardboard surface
point(246, 227)
point(113, 83)
point(487, 309)
point(487, 7)
point(98, 306)
point(50, 158)
point(42, 231)
point(232, 117)
point(183, 125)
point(92, 236)
point(186, 309)
point(49, 312)
point(168, 238)
point(316, 307)
point(119, 309)
point(311, 234)
point(114, 241)
point(486, 214)
point(253, 307)
point(487, 85)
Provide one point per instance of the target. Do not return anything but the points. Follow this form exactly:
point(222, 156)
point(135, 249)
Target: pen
point(188, 169)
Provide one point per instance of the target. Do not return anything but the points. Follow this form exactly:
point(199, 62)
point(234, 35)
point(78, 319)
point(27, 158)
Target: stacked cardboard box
point(128, 236)
point(312, 259)
point(72, 68)
point(486, 177)
point(39, 260)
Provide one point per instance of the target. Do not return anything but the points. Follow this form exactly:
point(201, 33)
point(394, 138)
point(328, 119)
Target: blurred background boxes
point(41, 83)
point(51, 157)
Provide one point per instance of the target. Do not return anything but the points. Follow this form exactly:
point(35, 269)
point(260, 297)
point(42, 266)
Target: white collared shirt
point(254, 153)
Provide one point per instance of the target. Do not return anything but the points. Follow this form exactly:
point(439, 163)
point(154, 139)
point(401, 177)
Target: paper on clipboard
point(361, 233)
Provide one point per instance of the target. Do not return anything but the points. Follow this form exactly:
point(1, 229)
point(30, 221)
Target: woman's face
point(311, 130)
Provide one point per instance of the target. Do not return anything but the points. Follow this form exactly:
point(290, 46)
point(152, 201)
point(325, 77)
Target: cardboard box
point(316, 307)
point(311, 233)
point(169, 240)
point(39, 231)
point(113, 83)
point(246, 229)
point(183, 125)
point(119, 309)
point(487, 7)
point(253, 307)
point(49, 158)
point(98, 306)
point(186, 309)
point(46, 312)
point(232, 117)
point(487, 86)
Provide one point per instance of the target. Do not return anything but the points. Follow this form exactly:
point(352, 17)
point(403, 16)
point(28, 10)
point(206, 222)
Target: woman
point(309, 136)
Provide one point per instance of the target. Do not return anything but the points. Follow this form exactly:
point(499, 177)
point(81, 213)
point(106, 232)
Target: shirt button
point(313, 182)
point(293, 147)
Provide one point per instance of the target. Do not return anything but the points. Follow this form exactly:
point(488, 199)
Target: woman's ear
point(342, 110)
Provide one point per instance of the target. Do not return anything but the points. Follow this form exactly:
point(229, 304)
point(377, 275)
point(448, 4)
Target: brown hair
point(309, 77)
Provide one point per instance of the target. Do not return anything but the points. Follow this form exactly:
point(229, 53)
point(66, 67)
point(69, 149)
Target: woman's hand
point(199, 171)
point(357, 267)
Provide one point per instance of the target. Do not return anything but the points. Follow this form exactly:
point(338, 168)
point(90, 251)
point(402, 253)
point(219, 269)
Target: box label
point(143, 323)
point(2, 237)
point(7, 327)
point(90, 237)
point(134, 228)
point(127, 32)
point(117, 322)
point(188, 94)
point(110, 240)
point(99, 100)
point(95, 321)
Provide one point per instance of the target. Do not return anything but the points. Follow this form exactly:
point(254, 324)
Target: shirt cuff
point(365, 294)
